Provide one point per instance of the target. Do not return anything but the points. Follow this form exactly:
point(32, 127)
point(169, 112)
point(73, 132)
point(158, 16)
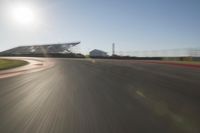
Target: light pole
point(113, 49)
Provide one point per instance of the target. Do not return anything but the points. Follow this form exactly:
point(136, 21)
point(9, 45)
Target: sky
point(130, 24)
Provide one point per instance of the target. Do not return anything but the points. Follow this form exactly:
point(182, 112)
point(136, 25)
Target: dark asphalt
point(102, 96)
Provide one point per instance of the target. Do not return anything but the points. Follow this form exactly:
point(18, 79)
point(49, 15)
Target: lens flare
point(23, 14)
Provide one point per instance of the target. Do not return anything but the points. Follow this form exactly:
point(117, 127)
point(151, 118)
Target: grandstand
point(61, 48)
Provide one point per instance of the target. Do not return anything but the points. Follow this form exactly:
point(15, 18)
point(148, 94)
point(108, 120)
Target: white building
point(98, 53)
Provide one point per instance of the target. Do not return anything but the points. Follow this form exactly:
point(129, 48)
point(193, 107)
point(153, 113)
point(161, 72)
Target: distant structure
point(113, 49)
point(98, 53)
point(61, 48)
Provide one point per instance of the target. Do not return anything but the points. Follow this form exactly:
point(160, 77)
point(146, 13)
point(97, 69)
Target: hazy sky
point(131, 24)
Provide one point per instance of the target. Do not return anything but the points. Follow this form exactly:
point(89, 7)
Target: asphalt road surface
point(102, 96)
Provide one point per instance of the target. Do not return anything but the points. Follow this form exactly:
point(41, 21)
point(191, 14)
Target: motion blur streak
point(108, 96)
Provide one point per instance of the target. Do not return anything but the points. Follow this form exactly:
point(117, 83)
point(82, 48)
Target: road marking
point(140, 94)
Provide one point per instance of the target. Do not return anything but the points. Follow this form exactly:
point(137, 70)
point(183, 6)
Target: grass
point(8, 64)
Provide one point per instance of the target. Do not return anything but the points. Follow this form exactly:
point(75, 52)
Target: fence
point(187, 52)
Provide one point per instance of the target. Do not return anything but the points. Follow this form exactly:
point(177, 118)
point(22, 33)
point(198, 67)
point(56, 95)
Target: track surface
point(102, 96)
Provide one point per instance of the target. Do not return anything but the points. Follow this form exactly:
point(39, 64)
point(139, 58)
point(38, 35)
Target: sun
point(23, 14)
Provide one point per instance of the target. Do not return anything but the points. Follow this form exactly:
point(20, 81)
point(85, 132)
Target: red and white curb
point(35, 65)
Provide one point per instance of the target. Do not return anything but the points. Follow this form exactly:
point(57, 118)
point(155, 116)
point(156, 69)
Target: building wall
point(96, 53)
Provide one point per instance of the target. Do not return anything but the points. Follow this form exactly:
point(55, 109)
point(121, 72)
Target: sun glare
point(23, 14)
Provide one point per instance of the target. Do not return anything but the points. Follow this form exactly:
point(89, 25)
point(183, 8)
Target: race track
point(102, 96)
